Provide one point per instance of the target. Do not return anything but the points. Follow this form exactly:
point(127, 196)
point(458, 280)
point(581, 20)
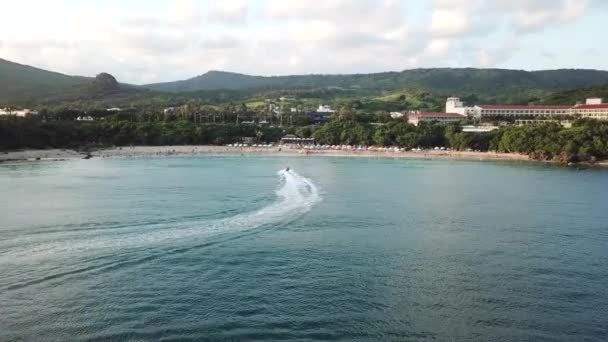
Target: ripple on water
point(206, 249)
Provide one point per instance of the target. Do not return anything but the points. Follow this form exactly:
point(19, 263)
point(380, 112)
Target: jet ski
point(287, 169)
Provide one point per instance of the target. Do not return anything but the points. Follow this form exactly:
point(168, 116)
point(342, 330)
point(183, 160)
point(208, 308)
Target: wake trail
point(295, 196)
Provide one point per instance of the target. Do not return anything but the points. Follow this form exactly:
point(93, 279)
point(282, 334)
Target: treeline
point(587, 140)
point(399, 133)
point(17, 133)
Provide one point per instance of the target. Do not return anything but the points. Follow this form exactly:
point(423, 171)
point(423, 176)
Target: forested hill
point(570, 97)
point(26, 85)
point(18, 81)
point(485, 82)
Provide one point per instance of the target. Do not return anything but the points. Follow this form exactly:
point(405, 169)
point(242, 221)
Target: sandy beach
point(279, 151)
point(285, 151)
point(40, 155)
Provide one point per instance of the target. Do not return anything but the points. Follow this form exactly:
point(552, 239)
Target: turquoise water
point(341, 249)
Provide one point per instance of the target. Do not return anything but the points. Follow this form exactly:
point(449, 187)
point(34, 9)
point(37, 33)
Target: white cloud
point(168, 40)
point(184, 12)
point(491, 56)
point(448, 22)
point(533, 17)
point(438, 48)
point(222, 41)
point(229, 12)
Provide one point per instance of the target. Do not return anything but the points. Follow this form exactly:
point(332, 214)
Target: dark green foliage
point(571, 97)
point(18, 133)
point(498, 84)
point(27, 86)
point(20, 82)
point(586, 141)
point(461, 141)
point(345, 131)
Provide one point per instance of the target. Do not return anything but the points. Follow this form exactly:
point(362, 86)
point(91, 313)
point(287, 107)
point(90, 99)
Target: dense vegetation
point(490, 84)
point(586, 141)
point(20, 82)
point(18, 133)
point(222, 108)
point(570, 97)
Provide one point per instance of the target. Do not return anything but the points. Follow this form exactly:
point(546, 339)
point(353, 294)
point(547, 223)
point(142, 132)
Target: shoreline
point(279, 151)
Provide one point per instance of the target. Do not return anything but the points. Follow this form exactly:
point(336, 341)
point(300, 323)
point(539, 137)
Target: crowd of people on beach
point(360, 148)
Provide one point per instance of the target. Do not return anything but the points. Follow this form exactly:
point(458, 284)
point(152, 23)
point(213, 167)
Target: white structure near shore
point(416, 117)
point(593, 108)
point(17, 112)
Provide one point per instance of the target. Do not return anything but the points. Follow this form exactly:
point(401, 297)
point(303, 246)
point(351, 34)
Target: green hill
point(21, 82)
point(570, 97)
point(26, 85)
point(457, 81)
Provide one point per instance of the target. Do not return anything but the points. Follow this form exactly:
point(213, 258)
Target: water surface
point(341, 249)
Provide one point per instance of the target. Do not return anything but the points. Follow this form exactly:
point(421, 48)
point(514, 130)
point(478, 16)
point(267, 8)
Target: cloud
point(222, 41)
point(532, 16)
point(592, 52)
point(184, 12)
point(448, 22)
point(155, 42)
point(548, 55)
point(229, 12)
point(489, 57)
point(167, 40)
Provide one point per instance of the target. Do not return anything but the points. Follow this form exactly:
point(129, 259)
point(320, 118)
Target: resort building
point(17, 112)
point(416, 117)
point(513, 111)
point(295, 140)
point(479, 129)
point(454, 105)
point(321, 115)
point(325, 109)
point(563, 123)
point(593, 108)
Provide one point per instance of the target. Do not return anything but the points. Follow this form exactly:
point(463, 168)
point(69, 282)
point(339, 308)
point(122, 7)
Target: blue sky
point(160, 40)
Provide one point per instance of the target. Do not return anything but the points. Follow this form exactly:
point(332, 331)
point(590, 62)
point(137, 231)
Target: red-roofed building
point(416, 117)
point(598, 111)
point(499, 110)
point(592, 109)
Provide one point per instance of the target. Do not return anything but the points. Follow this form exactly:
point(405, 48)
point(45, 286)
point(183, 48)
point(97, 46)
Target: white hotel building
point(455, 111)
point(593, 109)
point(17, 112)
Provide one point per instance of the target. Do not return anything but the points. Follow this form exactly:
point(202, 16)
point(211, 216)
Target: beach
point(281, 150)
point(40, 155)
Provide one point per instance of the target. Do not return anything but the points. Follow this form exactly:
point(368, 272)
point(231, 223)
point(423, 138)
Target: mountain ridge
point(433, 79)
point(30, 85)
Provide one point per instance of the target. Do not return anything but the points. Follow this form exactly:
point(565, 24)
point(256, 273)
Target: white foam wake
point(296, 195)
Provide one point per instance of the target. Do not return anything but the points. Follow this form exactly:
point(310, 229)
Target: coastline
point(280, 151)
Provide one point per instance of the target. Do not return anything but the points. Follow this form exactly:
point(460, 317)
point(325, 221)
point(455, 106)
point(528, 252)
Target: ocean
point(235, 248)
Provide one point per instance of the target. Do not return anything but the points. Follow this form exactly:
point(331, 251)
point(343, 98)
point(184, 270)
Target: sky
point(145, 41)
